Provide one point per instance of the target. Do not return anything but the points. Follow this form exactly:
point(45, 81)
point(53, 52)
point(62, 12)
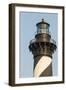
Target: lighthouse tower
point(42, 48)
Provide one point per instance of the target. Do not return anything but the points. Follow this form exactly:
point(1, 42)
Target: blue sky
point(27, 31)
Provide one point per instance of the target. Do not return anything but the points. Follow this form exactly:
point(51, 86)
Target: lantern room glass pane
point(43, 31)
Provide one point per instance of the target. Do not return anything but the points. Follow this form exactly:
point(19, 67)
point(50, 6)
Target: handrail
point(51, 40)
point(32, 41)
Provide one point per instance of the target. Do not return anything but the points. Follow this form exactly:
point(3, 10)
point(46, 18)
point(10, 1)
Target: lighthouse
point(42, 48)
